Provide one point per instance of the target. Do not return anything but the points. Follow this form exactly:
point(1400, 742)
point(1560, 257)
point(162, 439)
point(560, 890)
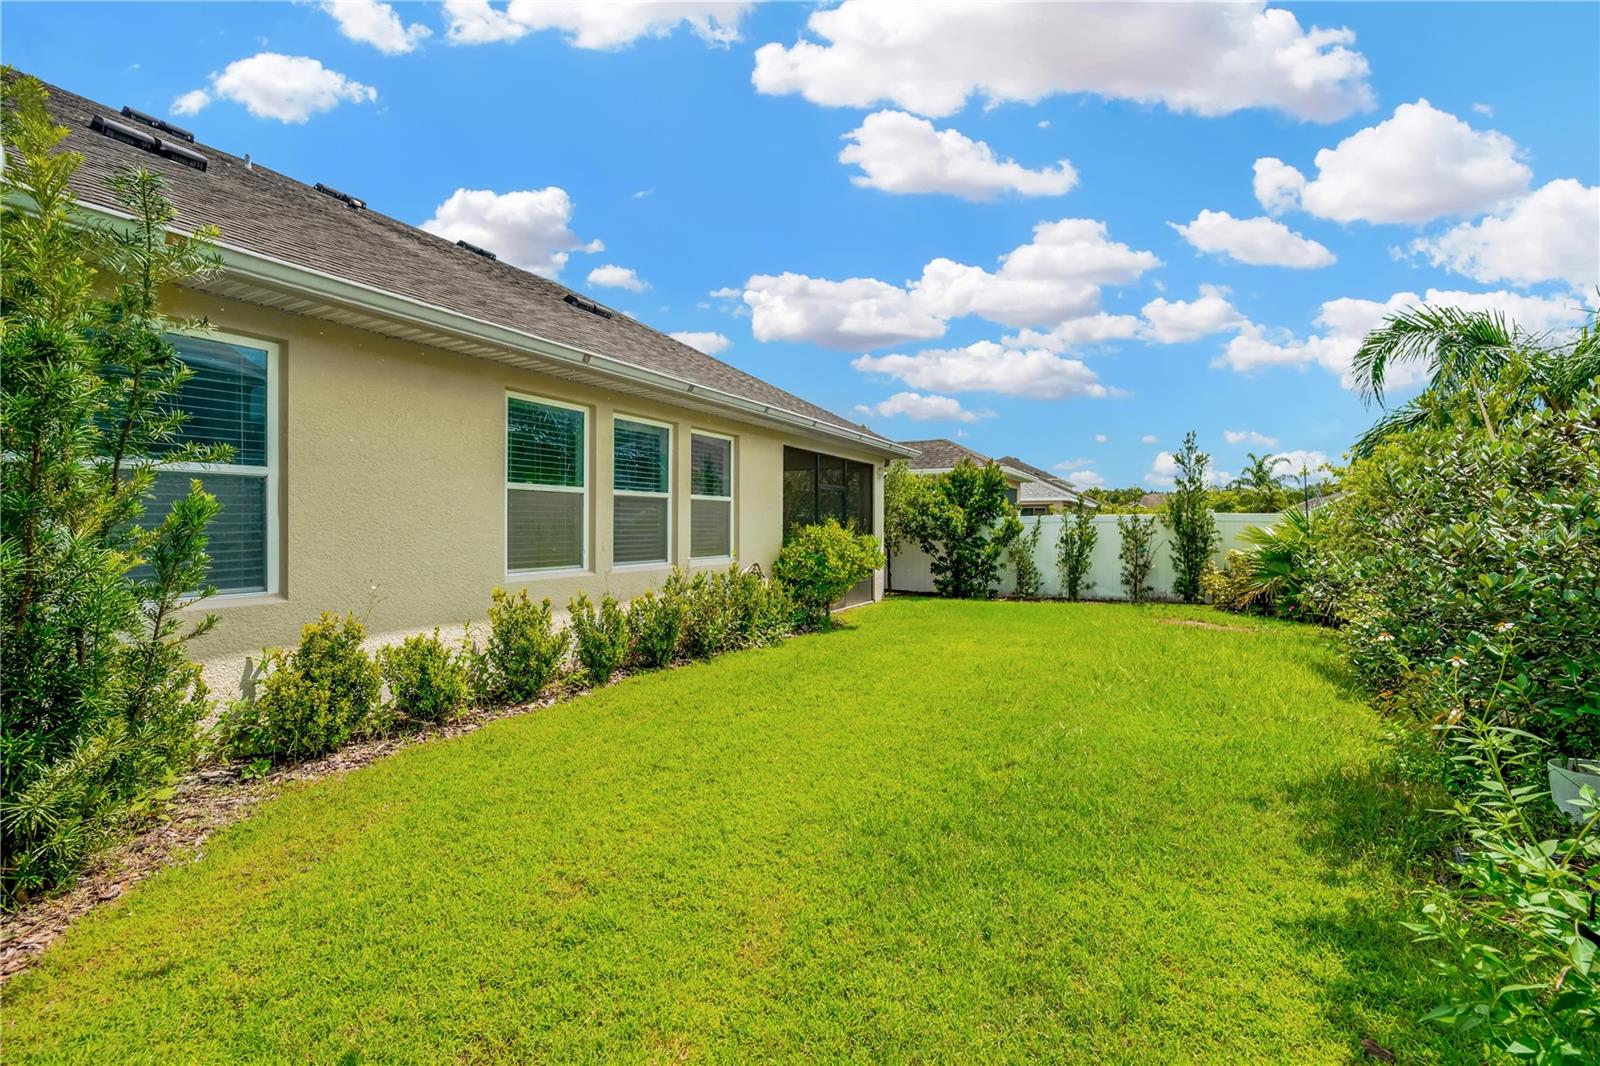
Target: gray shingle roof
point(1043, 475)
point(940, 454)
point(262, 211)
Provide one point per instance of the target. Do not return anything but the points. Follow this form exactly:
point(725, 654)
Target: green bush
point(763, 611)
point(1520, 971)
point(1466, 567)
point(311, 700)
point(1137, 552)
point(1075, 552)
point(820, 563)
point(428, 682)
point(709, 625)
point(1028, 577)
point(526, 650)
point(98, 701)
point(656, 621)
point(964, 522)
point(1232, 587)
point(601, 636)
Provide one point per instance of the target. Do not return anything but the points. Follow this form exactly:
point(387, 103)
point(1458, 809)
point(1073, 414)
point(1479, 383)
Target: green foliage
point(526, 649)
point(763, 611)
point(1232, 587)
point(822, 562)
point(1137, 553)
point(601, 636)
point(965, 524)
point(1455, 556)
point(1522, 975)
point(709, 626)
point(1188, 516)
point(311, 701)
point(656, 621)
point(1279, 571)
point(428, 682)
point(1029, 579)
point(98, 703)
point(1075, 552)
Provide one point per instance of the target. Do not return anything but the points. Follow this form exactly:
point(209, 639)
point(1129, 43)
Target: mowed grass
point(950, 831)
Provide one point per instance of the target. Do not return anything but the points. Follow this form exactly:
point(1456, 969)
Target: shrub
point(1187, 515)
point(428, 682)
point(1137, 553)
point(1281, 560)
point(1233, 586)
point(311, 700)
point(1075, 551)
point(820, 563)
point(601, 636)
point(1519, 969)
point(708, 616)
point(964, 522)
point(526, 650)
point(98, 703)
point(763, 612)
point(1457, 557)
point(1023, 565)
point(656, 621)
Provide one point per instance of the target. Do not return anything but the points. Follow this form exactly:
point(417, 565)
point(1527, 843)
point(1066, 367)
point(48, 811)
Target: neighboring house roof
point(1152, 499)
point(1047, 487)
point(287, 245)
point(941, 454)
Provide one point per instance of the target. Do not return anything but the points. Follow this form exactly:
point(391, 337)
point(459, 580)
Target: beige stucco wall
point(391, 485)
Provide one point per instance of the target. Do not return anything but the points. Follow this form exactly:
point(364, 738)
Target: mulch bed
point(207, 800)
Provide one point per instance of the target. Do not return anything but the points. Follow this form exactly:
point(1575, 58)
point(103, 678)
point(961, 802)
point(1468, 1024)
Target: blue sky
point(698, 146)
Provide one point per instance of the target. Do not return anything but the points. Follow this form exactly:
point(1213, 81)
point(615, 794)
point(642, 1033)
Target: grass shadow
point(1357, 823)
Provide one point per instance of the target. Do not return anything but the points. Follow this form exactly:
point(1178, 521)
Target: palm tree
point(1258, 473)
point(1466, 354)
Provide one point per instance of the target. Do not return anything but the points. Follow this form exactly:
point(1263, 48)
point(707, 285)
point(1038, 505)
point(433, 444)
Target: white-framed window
point(641, 491)
point(547, 485)
point(231, 398)
point(710, 495)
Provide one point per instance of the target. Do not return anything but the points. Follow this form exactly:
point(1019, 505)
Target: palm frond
point(1401, 419)
point(1450, 341)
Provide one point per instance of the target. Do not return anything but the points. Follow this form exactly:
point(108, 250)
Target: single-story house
point(415, 421)
point(1032, 490)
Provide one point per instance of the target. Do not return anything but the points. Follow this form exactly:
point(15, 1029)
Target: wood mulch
point(205, 801)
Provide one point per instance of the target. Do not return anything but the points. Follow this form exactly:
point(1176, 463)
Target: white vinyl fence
point(909, 570)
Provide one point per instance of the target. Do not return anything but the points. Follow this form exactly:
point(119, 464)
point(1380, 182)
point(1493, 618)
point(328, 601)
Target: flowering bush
point(1467, 569)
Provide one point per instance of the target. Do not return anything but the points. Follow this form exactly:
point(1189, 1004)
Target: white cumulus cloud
point(1417, 165)
point(708, 341)
point(1075, 333)
point(1210, 59)
point(988, 367)
point(1148, 438)
point(901, 153)
point(1345, 322)
point(923, 407)
point(1553, 234)
point(1100, 438)
point(1181, 321)
point(1249, 436)
point(1277, 185)
point(608, 24)
point(1254, 241)
point(612, 276)
point(270, 85)
point(528, 227)
point(1290, 463)
point(376, 24)
point(1086, 479)
point(1163, 473)
point(1055, 277)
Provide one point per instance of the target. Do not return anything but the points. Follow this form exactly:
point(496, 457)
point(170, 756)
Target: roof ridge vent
point(149, 142)
point(158, 123)
point(343, 197)
point(475, 250)
point(586, 305)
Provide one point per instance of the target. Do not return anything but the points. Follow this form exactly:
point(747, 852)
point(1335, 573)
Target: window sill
point(657, 564)
point(555, 571)
point(235, 599)
point(712, 560)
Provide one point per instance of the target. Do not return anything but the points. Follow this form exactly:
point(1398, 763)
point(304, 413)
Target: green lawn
point(978, 831)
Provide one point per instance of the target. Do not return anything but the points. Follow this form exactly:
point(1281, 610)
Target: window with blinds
point(641, 501)
point(710, 496)
point(228, 399)
point(547, 495)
